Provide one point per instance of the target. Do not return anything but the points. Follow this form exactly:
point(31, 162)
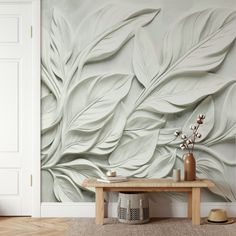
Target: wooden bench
point(193, 188)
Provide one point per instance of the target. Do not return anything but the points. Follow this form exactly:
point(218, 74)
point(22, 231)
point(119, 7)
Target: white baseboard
point(87, 209)
point(82, 209)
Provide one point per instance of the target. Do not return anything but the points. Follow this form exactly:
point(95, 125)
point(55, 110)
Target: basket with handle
point(133, 208)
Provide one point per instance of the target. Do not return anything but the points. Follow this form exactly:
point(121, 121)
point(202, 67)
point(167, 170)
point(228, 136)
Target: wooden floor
point(27, 226)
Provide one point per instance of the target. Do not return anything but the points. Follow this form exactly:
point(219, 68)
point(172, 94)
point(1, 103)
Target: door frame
point(36, 115)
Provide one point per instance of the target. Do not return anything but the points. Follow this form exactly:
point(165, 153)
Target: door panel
point(16, 109)
point(10, 26)
point(9, 97)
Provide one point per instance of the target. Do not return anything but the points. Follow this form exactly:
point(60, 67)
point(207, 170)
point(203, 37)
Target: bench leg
point(196, 196)
point(190, 204)
point(99, 206)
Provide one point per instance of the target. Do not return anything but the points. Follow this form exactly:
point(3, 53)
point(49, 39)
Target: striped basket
point(133, 208)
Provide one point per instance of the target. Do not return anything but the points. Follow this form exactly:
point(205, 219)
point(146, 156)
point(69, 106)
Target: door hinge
point(31, 31)
point(31, 180)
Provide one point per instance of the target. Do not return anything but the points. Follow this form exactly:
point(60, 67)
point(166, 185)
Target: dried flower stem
point(190, 140)
point(194, 136)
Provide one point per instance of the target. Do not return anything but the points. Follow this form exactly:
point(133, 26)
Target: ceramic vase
point(189, 167)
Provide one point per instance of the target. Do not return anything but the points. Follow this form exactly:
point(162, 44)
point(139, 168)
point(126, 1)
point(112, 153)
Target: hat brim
point(229, 221)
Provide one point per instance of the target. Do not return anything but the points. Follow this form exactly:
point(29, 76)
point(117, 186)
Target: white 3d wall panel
point(119, 77)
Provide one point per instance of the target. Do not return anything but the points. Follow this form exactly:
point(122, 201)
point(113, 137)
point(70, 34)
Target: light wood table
point(193, 188)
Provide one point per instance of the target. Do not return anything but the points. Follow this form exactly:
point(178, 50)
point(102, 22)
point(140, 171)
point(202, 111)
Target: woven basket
point(133, 208)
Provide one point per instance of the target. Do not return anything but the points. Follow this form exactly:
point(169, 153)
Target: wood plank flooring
point(27, 226)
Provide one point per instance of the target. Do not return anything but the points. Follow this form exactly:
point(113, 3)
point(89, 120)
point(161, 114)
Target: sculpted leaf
point(52, 154)
point(142, 123)
point(205, 48)
point(49, 79)
point(60, 45)
point(49, 111)
point(162, 163)
point(207, 37)
point(158, 166)
point(51, 118)
point(214, 169)
point(56, 52)
point(47, 138)
point(95, 42)
point(76, 172)
point(142, 119)
point(145, 60)
point(119, 35)
point(110, 134)
point(90, 106)
point(179, 93)
point(225, 122)
point(65, 190)
point(166, 136)
point(115, 25)
point(132, 157)
point(77, 178)
point(82, 165)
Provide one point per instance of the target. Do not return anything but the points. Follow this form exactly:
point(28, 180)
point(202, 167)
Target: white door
point(15, 109)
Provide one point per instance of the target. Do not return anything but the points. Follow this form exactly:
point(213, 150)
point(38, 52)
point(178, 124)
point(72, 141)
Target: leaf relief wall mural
point(117, 82)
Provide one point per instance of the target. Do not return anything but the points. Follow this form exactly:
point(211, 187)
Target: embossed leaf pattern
point(149, 121)
point(162, 163)
point(179, 93)
point(111, 133)
point(65, 190)
point(68, 178)
point(135, 150)
point(215, 170)
point(87, 126)
point(112, 42)
point(61, 45)
point(207, 37)
point(110, 19)
point(145, 60)
point(224, 126)
point(49, 81)
point(128, 159)
point(90, 107)
point(102, 40)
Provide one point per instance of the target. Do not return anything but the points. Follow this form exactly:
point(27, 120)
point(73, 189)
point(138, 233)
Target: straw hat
point(218, 216)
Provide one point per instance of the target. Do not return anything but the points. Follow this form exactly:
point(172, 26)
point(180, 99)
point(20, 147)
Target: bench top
point(150, 183)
